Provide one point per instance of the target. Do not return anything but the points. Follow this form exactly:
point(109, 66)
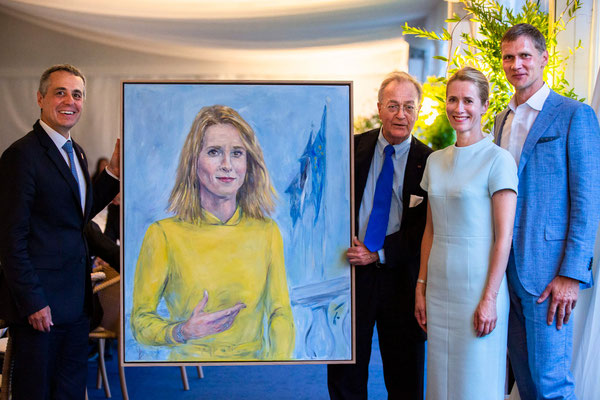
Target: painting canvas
point(237, 214)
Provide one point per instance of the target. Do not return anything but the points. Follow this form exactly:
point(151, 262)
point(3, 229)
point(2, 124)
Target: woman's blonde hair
point(475, 76)
point(255, 196)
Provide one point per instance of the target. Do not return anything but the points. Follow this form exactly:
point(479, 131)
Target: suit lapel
point(58, 160)
point(542, 122)
point(412, 174)
point(365, 148)
point(499, 126)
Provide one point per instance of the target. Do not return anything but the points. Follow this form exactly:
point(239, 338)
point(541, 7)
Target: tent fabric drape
point(114, 40)
point(237, 26)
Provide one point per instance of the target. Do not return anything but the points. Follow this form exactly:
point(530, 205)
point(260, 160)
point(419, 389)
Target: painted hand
point(485, 317)
point(41, 320)
point(203, 324)
point(564, 292)
point(360, 255)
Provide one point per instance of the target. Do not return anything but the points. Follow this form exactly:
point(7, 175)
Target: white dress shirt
point(59, 140)
point(519, 121)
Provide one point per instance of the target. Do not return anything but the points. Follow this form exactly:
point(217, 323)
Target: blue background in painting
point(157, 119)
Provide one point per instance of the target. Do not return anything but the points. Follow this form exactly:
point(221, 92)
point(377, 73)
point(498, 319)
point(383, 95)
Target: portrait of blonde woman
point(462, 294)
point(218, 262)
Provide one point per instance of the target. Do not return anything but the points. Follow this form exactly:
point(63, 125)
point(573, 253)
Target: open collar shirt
point(520, 120)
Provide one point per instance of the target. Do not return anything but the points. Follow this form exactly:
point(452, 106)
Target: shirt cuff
point(111, 174)
point(381, 253)
point(170, 334)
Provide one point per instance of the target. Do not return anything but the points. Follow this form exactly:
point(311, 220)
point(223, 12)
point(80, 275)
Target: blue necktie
point(68, 147)
point(380, 214)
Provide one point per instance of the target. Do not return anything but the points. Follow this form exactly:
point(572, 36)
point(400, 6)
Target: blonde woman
point(218, 262)
point(462, 295)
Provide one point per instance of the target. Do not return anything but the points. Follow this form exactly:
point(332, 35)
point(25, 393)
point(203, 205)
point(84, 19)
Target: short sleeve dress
point(460, 182)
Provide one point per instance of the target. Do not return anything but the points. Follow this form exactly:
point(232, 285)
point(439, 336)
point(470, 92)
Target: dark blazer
point(113, 222)
point(43, 251)
point(100, 245)
point(403, 248)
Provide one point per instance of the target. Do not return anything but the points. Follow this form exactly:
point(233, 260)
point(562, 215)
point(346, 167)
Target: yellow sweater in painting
point(240, 260)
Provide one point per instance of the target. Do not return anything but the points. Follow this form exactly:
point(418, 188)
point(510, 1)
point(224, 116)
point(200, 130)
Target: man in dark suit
point(46, 200)
point(386, 252)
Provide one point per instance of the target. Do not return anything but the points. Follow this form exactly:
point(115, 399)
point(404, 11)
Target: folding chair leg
point(184, 378)
point(200, 372)
point(7, 367)
point(122, 374)
point(99, 378)
point(102, 366)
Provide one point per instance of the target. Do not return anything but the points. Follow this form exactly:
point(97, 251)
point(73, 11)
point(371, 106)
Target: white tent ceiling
point(113, 40)
point(244, 25)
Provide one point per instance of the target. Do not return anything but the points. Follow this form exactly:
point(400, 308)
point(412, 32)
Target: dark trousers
point(52, 365)
point(382, 298)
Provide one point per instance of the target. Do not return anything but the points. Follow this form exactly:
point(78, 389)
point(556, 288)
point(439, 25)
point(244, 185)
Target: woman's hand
point(203, 324)
point(485, 317)
point(421, 306)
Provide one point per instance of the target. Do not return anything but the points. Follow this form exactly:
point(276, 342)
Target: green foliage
point(364, 124)
point(437, 133)
point(484, 53)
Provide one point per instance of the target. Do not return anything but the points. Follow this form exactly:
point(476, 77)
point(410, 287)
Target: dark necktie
point(380, 214)
point(68, 147)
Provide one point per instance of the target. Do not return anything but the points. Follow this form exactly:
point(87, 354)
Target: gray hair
point(45, 78)
point(399, 76)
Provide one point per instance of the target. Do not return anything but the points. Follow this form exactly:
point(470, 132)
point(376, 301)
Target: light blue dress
point(460, 182)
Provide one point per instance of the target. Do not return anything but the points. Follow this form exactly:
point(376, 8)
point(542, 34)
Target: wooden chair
point(6, 349)
point(108, 293)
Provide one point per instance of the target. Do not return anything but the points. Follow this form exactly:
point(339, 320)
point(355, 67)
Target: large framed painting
point(237, 213)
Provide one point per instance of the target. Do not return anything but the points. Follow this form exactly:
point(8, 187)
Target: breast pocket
point(549, 153)
point(546, 139)
point(555, 232)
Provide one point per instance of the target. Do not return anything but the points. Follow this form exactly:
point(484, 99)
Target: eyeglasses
point(407, 109)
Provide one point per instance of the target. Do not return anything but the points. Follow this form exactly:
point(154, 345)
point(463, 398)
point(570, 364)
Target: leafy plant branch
point(483, 51)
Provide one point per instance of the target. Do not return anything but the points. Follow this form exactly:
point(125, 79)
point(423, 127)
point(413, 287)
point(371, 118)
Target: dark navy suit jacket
point(402, 249)
point(43, 252)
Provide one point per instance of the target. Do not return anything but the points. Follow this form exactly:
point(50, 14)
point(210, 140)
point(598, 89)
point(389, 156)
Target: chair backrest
point(108, 294)
point(7, 371)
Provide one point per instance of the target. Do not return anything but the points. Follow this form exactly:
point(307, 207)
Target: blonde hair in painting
point(255, 197)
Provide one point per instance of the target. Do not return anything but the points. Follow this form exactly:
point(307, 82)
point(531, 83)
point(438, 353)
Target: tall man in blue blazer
point(556, 142)
point(46, 200)
point(386, 273)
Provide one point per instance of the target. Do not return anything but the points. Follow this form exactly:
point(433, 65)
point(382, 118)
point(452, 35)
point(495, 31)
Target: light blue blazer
point(558, 205)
